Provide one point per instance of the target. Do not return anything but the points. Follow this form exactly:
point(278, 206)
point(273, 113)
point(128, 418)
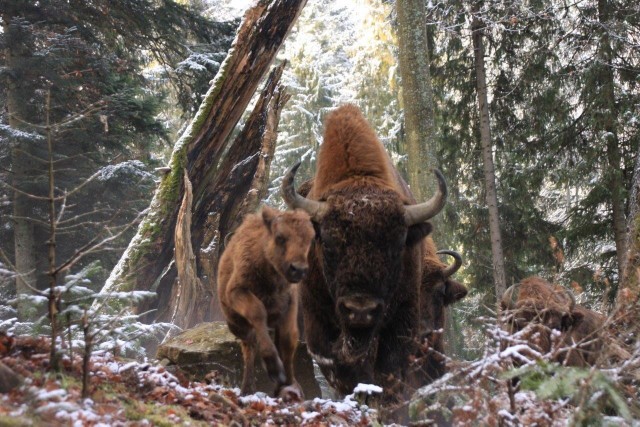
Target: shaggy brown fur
point(361, 298)
point(585, 334)
point(350, 156)
point(547, 307)
point(266, 254)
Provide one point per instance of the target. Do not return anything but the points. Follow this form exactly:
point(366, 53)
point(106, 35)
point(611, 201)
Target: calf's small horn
point(291, 197)
point(457, 262)
point(416, 214)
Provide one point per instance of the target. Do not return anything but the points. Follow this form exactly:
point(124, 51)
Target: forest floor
point(132, 393)
point(127, 393)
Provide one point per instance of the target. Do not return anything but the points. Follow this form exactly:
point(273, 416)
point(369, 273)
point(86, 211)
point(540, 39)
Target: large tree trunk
point(487, 156)
point(199, 149)
point(417, 96)
point(236, 190)
point(630, 280)
point(23, 167)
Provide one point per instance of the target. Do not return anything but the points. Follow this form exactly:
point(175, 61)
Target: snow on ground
point(154, 384)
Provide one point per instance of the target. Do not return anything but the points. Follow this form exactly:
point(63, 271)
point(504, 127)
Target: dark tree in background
point(90, 56)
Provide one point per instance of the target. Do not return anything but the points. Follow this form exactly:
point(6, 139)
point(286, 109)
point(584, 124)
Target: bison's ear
point(454, 291)
point(268, 215)
point(417, 232)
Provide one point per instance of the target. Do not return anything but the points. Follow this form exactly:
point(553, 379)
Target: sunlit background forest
point(97, 94)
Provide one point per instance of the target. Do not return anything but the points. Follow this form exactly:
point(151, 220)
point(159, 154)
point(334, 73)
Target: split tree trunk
point(199, 149)
point(487, 156)
point(237, 190)
point(188, 291)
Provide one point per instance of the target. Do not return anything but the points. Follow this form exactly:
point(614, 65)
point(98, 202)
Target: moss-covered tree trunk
point(199, 149)
point(238, 187)
point(417, 96)
point(631, 277)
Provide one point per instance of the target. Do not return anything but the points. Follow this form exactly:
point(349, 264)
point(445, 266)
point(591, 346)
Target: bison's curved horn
point(291, 197)
point(457, 263)
point(569, 296)
point(416, 214)
point(508, 300)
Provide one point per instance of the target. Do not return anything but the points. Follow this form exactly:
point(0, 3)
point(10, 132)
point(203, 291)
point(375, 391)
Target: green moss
point(7, 421)
point(168, 193)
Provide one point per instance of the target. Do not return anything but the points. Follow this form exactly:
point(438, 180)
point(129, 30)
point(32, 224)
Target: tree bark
point(417, 96)
point(607, 100)
point(631, 275)
point(23, 165)
point(487, 156)
point(188, 292)
point(199, 149)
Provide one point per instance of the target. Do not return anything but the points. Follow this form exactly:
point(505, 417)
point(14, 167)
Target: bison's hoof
point(290, 393)
point(275, 369)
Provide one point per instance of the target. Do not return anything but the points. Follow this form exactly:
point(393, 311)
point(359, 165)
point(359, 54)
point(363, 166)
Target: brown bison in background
point(438, 291)
point(360, 301)
point(551, 309)
point(266, 254)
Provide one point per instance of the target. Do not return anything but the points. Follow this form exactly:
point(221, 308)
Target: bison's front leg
point(249, 358)
point(251, 308)
point(287, 340)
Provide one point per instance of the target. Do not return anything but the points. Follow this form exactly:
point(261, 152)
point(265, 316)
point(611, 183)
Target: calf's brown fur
point(266, 254)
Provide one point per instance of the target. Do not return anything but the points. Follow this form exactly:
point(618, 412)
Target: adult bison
point(438, 290)
point(551, 309)
point(360, 301)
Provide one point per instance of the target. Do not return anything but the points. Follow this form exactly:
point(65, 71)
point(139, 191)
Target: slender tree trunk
point(199, 149)
point(609, 119)
point(487, 156)
point(417, 96)
point(53, 293)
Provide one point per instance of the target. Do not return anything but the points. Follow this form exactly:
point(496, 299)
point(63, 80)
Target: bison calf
point(266, 254)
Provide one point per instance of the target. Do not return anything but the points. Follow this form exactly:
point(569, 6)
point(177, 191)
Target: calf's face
point(289, 239)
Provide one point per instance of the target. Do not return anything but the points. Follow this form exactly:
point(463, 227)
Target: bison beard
point(360, 300)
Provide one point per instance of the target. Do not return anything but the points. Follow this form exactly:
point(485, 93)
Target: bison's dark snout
point(296, 272)
point(360, 312)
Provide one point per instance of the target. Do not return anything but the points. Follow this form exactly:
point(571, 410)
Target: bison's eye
point(281, 240)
